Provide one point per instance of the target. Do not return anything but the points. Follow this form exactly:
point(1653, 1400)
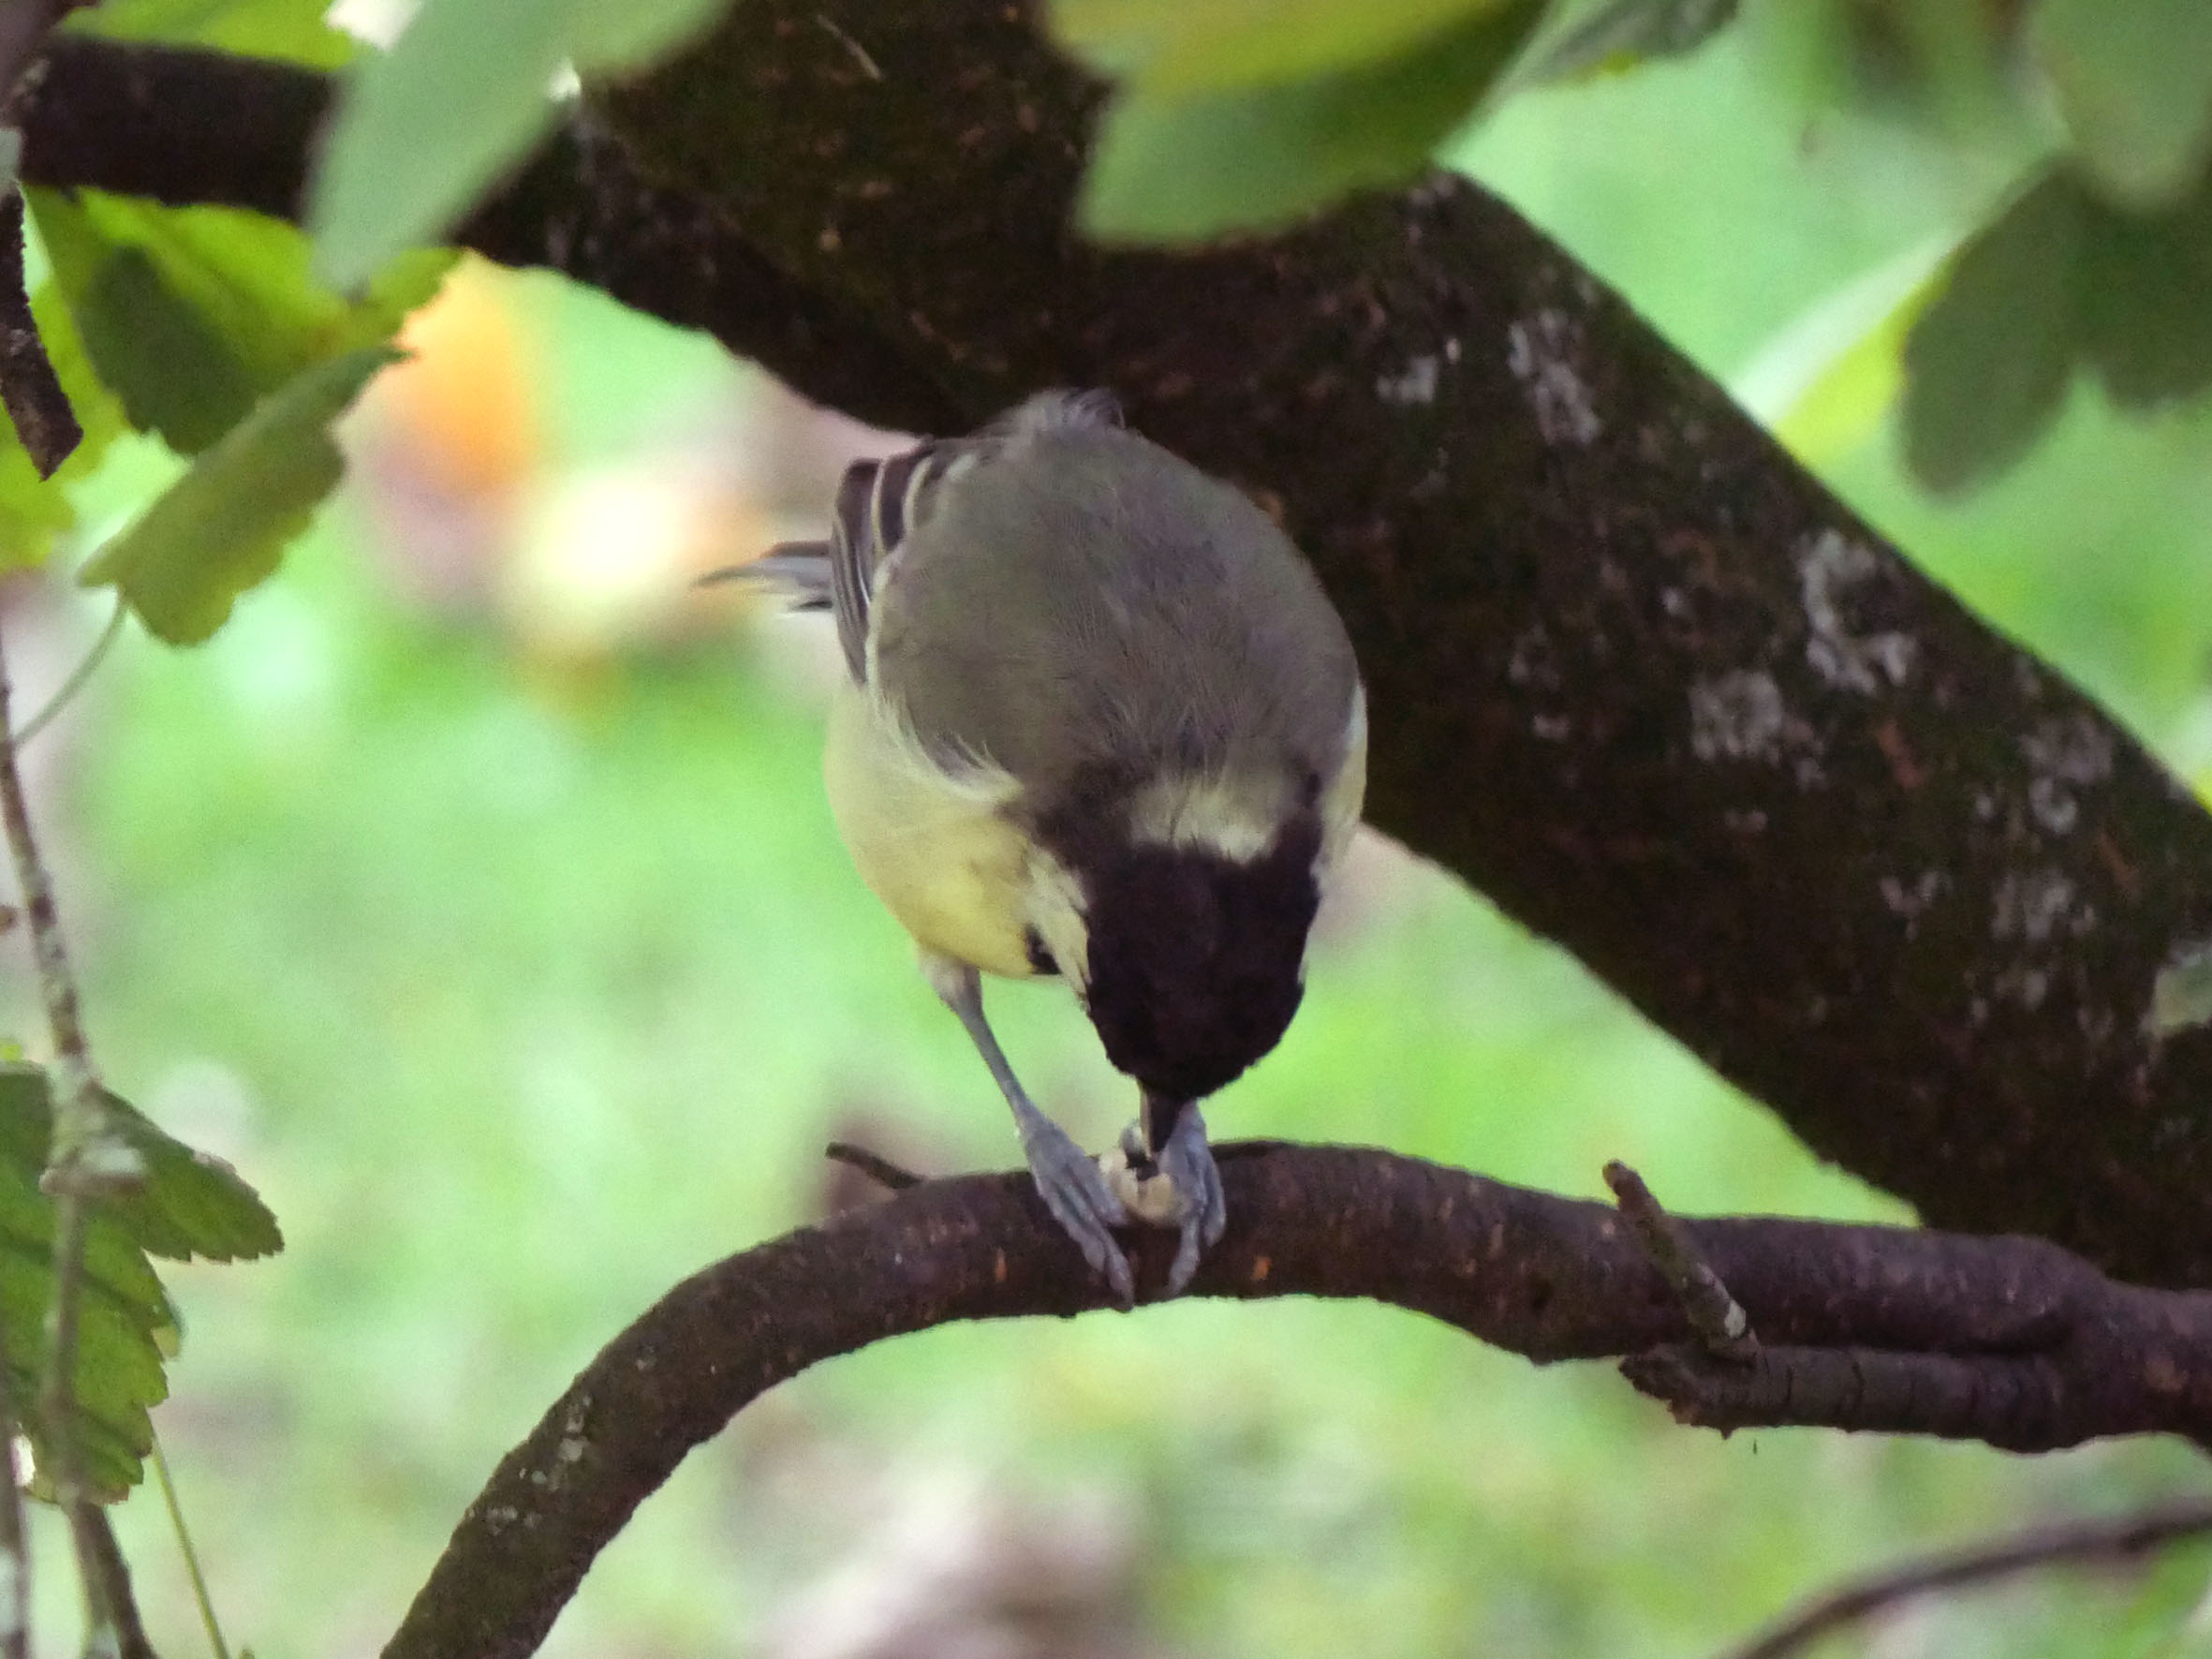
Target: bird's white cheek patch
point(1345, 797)
point(1237, 818)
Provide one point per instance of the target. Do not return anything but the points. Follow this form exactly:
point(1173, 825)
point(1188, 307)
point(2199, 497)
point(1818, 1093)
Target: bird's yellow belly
point(933, 849)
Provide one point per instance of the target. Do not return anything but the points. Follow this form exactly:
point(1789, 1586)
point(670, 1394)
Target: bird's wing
point(880, 502)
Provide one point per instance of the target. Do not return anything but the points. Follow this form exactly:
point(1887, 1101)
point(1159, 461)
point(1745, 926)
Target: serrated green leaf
point(1620, 34)
point(1988, 362)
point(222, 528)
point(422, 130)
point(291, 30)
point(191, 314)
point(1180, 169)
point(176, 376)
point(1172, 48)
point(127, 1325)
point(2133, 79)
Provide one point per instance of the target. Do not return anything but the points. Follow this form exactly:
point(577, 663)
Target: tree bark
point(1634, 671)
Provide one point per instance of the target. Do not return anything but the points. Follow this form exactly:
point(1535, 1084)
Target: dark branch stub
point(1718, 1319)
point(877, 1167)
point(28, 386)
point(1547, 1277)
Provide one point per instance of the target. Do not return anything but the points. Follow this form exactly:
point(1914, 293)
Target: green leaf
point(222, 528)
point(1987, 364)
point(33, 509)
point(422, 130)
point(1172, 48)
point(1620, 34)
point(292, 30)
point(2062, 279)
point(191, 1205)
point(1182, 168)
point(191, 314)
point(2146, 301)
point(2133, 79)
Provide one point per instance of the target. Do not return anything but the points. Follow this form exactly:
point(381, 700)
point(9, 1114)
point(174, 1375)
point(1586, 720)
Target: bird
point(1098, 720)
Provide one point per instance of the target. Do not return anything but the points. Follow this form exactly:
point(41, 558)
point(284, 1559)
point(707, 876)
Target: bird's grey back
point(1080, 605)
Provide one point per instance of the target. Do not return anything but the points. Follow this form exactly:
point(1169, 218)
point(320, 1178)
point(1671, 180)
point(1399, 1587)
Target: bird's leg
point(1067, 1177)
point(1174, 1136)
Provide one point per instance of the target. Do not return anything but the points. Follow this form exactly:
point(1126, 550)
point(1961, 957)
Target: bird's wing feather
point(879, 503)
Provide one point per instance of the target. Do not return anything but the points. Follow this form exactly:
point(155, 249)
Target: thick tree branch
point(1547, 1277)
point(198, 129)
point(1634, 672)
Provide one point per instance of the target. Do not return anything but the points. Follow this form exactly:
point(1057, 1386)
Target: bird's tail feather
point(798, 570)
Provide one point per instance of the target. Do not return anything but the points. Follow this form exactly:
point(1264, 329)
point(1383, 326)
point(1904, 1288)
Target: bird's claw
point(1082, 1201)
point(1187, 1163)
point(1180, 1188)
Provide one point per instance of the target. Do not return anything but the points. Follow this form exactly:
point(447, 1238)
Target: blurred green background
point(474, 893)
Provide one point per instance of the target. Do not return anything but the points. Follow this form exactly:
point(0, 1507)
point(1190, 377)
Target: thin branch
point(29, 388)
point(77, 1100)
point(1547, 1277)
point(1717, 1318)
point(15, 1546)
point(877, 1167)
point(87, 1158)
point(23, 23)
point(117, 1629)
point(2072, 1544)
point(79, 676)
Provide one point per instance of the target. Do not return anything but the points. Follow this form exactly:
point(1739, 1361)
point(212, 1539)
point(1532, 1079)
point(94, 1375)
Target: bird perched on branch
point(1100, 720)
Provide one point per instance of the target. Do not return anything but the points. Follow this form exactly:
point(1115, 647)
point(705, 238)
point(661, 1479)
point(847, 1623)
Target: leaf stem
point(176, 1519)
point(68, 688)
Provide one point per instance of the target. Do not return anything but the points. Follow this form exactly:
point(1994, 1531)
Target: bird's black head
point(1197, 960)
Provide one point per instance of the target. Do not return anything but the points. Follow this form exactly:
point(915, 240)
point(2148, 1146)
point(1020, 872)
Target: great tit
point(1098, 719)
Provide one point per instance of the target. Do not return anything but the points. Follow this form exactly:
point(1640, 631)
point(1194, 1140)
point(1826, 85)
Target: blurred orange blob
point(465, 403)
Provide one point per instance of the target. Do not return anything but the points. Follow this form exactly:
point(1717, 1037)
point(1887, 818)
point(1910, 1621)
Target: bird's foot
point(1077, 1193)
point(1178, 1188)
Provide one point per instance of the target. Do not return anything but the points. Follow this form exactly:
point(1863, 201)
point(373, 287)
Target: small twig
point(22, 24)
point(112, 1609)
point(877, 1167)
point(1715, 1315)
point(2076, 1541)
point(869, 66)
point(87, 1157)
point(29, 388)
point(66, 693)
point(15, 1549)
point(176, 1520)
